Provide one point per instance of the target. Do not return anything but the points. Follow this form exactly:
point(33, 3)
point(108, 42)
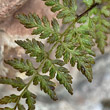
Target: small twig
point(79, 16)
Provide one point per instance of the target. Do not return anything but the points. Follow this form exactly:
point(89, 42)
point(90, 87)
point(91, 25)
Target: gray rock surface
point(8, 7)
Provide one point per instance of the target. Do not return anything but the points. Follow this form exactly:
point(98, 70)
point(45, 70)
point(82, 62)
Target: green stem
point(89, 9)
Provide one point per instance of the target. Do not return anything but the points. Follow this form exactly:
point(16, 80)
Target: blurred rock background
point(87, 96)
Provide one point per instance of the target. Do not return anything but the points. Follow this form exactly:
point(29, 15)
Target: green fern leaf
point(62, 69)
point(46, 85)
point(21, 107)
point(46, 66)
point(100, 40)
point(43, 28)
point(53, 38)
point(29, 21)
point(52, 72)
point(9, 99)
point(72, 61)
point(30, 100)
point(34, 48)
point(6, 108)
point(22, 66)
point(15, 83)
point(58, 62)
point(67, 9)
point(73, 46)
point(100, 26)
point(59, 52)
point(66, 57)
point(65, 79)
point(55, 25)
point(56, 8)
point(50, 3)
point(84, 64)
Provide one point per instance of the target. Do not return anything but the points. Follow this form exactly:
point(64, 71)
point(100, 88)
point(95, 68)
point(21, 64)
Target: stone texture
point(8, 7)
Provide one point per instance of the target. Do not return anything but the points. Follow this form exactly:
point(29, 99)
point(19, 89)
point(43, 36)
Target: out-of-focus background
point(87, 96)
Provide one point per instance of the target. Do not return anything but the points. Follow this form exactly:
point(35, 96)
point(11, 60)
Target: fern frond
point(66, 10)
point(34, 48)
point(21, 107)
point(6, 108)
point(15, 83)
point(43, 26)
point(46, 85)
point(73, 46)
point(9, 99)
point(65, 79)
point(22, 66)
point(30, 100)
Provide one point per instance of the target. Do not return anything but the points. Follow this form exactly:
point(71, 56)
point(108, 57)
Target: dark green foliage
point(74, 46)
point(59, 51)
point(66, 80)
point(9, 99)
point(30, 100)
point(21, 107)
point(15, 83)
point(84, 64)
point(22, 66)
point(52, 72)
point(58, 62)
point(46, 85)
point(6, 108)
point(46, 66)
point(34, 48)
point(42, 25)
point(66, 10)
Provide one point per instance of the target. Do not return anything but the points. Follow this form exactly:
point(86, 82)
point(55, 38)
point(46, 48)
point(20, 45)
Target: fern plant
point(73, 46)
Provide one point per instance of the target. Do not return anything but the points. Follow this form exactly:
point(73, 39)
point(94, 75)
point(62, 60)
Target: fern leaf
point(84, 64)
point(58, 62)
point(15, 83)
point(100, 26)
point(59, 52)
point(30, 100)
point(101, 41)
point(22, 66)
point(21, 107)
point(53, 38)
point(73, 46)
point(66, 10)
point(55, 25)
point(66, 57)
point(9, 99)
point(52, 72)
point(34, 48)
point(42, 25)
point(65, 79)
point(29, 21)
point(46, 66)
point(46, 85)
